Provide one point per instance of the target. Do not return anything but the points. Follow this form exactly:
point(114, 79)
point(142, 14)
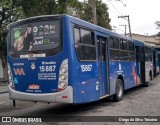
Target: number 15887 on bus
point(47, 68)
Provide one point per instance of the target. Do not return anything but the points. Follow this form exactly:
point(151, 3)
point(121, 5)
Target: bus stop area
point(3, 86)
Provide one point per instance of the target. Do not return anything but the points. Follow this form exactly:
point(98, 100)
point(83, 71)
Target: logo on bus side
point(18, 71)
point(86, 68)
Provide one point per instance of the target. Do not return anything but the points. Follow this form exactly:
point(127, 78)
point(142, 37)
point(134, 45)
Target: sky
point(142, 13)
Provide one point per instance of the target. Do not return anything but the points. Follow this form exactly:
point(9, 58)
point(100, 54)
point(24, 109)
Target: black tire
point(119, 91)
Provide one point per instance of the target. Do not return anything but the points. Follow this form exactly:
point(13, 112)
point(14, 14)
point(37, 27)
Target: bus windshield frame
point(34, 24)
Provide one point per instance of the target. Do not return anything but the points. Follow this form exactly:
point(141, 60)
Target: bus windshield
point(34, 36)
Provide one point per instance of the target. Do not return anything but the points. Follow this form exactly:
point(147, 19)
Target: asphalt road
point(139, 101)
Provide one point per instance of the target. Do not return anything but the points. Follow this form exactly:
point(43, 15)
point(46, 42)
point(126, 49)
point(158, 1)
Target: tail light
point(10, 78)
point(63, 76)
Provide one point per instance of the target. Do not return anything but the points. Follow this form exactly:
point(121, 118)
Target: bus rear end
point(37, 60)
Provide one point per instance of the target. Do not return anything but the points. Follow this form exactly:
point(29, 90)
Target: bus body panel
point(27, 72)
point(65, 96)
point(84, 75)
point(126, 70)
point(148, 70)
point(40, 71)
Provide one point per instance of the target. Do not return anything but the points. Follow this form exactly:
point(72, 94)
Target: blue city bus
point(63, 59)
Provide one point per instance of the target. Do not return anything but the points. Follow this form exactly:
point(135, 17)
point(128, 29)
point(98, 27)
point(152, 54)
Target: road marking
point(2, 103)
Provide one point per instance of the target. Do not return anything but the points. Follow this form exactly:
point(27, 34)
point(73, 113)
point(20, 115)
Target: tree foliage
point(158, 27)
point(45, 7)
point(76, 8)
point(36, 7)
point(8, 14)
point(158, 34)
point(13, 10)
point(101, 12)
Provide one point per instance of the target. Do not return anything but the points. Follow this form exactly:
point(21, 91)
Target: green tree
point(158, 34)
point(101, 13)
point(8, 14)
point(75, 8)
point(158, 27)
point(37, 7)
point(93, 3)
point(46, 7)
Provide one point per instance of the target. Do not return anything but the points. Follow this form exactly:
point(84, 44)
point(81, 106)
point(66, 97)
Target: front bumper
point(65, 96)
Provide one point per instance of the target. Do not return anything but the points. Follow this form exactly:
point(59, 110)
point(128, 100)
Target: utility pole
point(94, 13)
point(114, 28)
point(127, 16)
point(125, 26)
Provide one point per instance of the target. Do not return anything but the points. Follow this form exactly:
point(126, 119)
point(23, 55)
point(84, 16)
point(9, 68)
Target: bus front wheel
point(118, 91)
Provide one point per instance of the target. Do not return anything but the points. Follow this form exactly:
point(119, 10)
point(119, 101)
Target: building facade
point(147, 39)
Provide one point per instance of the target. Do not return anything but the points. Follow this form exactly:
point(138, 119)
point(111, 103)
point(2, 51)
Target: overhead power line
point(125, 27)
point(127, 16)
point(114, 7)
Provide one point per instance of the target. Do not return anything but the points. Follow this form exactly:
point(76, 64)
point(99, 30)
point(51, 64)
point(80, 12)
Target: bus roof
point(102, 30)
point(85, 24)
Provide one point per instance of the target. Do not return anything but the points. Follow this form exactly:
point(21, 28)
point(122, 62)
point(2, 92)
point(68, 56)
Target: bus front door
point(103, 65)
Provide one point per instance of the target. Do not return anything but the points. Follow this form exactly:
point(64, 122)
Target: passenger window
point(86, 37)
point(131, 53)
point(76, 35)
point(84, 44)
point(124, 45)
point(111, 42)
point(116, 43)
point(114, 48)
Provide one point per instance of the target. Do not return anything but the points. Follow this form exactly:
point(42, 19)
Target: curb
point(4, 92)
point(4, 89)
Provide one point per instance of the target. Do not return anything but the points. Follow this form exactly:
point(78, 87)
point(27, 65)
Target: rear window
point(37, 35)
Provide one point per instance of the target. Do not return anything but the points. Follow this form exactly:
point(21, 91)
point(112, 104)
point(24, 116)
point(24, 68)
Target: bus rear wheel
point(119, 91)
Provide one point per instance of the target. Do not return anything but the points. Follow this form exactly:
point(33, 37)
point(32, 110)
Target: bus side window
point(142, 55)
point(86, 37)
point(146, 54)
point(84, 44)
point(76, 35)
point(114, 48)
point(111, 42)
point(131, 51)
point(103, 49)
point(124, 50)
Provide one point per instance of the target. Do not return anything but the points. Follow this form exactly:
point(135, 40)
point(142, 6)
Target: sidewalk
point(3, 87)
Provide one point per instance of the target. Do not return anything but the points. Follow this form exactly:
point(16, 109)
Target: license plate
point(33, 86)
